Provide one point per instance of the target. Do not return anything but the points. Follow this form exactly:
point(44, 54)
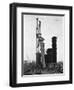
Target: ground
point(52, 68)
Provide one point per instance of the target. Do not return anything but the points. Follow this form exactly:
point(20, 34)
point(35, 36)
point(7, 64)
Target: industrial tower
point(40, 52)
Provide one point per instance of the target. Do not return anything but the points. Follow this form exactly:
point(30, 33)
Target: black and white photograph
point(43, 44)
point(40, 44)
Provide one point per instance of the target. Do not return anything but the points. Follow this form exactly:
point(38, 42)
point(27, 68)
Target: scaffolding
point(40, 51)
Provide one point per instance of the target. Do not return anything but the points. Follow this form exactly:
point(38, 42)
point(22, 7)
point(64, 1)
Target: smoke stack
point(54, 47)
point(54, 42)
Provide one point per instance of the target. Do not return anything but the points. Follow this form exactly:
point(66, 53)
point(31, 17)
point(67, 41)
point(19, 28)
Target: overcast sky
point(50, 26)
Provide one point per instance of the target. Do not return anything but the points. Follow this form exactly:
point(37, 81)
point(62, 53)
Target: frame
point(35, 50)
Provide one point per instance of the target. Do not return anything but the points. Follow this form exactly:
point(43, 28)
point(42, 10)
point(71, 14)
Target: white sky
point(50, 26)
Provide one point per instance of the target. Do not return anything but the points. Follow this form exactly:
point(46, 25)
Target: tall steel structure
point(40, 52)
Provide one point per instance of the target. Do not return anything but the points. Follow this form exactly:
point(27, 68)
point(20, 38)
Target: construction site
point(46, 61)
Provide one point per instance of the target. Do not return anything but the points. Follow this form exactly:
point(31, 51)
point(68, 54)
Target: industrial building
point(43, 59)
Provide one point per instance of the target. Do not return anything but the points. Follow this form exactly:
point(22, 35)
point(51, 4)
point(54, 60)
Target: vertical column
point(54, 46)
point(42, 55)
point(38, 54)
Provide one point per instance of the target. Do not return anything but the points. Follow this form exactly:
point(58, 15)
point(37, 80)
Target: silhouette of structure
point(54, 47)
point(51, 56)
point(40, 52)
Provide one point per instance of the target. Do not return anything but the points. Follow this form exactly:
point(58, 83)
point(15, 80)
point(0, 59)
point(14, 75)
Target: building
point(51, 56)
point(43, 59)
